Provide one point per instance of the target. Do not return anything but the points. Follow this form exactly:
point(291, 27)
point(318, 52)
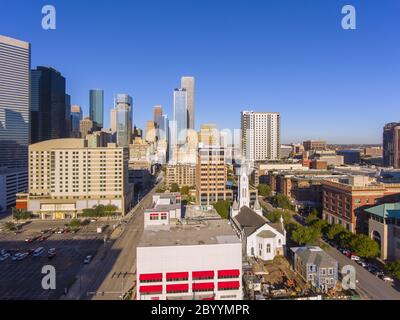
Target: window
point(323, 271)
point(330, 271)
point(268, 248)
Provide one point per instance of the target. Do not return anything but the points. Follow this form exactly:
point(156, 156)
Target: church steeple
point(244, 192)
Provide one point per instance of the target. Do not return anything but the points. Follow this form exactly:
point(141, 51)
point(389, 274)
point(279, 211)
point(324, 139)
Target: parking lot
point(22, 279)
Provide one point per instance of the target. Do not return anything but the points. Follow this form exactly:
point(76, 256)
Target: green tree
point(345, 239)
point(334, 230)
point(312, 218)
point(393, 269)
point(305, 235)
point(223, 208)
point(364, 246)
point(10, 226)
point(320, 225)
point(264, 190)
point(185, 190)
point(174, 187)
point(275, 216)
point(75, 223)
point(22, 215)
point(281, 201)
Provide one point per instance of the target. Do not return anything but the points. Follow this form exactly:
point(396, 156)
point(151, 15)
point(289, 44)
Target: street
point(112, 271)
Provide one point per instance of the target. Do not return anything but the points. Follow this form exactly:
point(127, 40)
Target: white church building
point(260, 238)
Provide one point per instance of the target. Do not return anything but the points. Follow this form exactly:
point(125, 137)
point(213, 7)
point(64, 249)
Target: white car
point(5, 257)
point(362, 263)
point(355, 258)
point(387, 279)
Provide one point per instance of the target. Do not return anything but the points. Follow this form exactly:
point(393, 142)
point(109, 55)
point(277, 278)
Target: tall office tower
point(260, 135)
point(209, 135)
point(15, 63)
point(76, 117)
point(85, 127)
point(391, 145)
point(180, 115)
point(187, 83)
point(157, 113)
point(211, 175)
point(50, 113)
point(150, 131)
point(68, 125)
point(113, 120)
point(96, 103)
point(124, 120)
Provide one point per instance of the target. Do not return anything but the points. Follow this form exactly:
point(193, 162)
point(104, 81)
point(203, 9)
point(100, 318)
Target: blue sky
point(290, 56)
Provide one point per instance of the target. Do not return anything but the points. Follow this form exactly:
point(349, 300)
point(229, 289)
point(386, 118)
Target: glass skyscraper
point(180, 115)
point(76, 117)
point(15, 60)
point(187, 83)
point(50, 112)
point(96, 97)
point(124, 119)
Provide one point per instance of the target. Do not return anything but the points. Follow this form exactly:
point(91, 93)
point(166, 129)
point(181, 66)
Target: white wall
point(188, 259)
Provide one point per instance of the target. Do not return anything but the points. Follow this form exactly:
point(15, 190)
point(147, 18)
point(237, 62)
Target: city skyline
point(334, 72)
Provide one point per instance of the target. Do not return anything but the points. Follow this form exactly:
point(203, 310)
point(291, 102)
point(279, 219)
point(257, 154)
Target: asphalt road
point(112, 271)
point(369, 286)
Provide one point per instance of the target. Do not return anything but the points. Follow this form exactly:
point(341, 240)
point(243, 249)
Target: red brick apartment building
point(345, 203)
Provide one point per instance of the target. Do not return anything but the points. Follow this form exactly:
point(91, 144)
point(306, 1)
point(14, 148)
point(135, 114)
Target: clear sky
point(290, 56)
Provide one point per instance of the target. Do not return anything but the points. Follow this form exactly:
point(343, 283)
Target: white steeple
point(244, 192)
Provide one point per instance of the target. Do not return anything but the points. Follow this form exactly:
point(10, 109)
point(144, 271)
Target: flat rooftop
point(191, 232)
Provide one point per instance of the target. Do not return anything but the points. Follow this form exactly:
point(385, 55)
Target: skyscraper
point(50, 105)
point(391, 145)
point(15, 60)
point(260, 135)
point(76, 117)
point(157, 112)
point(187, 83)
point(180, 115)
point(124, 120)
point(113, 120)
point(96, 103)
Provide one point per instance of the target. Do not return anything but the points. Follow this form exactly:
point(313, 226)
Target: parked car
point(38, 252)
point(387, 278)
point(87, 260)
point(22, 256)
point(362, 263)
point(51, 253)
point(355, 258)
point(59, 231)
point(15, 256)
point(4, 257)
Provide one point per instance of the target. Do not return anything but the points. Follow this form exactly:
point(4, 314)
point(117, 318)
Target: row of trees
point(315, 228)
point(100, 211)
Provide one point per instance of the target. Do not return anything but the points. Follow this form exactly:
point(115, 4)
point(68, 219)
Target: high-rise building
point(260, 135)
point(85, 127)
point(50, 105)
point(180, 115)
point(391, 145)
point(67, 176)
point(150, 131)
point(157, 113)
point(124, 120)
point(113, 120)
point(209, 135)
point(76, 117)
point(15, 60)
point(211, 176)
point(96, 103)
point(187, 83)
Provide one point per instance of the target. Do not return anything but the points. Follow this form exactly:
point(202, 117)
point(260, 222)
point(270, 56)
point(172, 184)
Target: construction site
point(277, 280)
